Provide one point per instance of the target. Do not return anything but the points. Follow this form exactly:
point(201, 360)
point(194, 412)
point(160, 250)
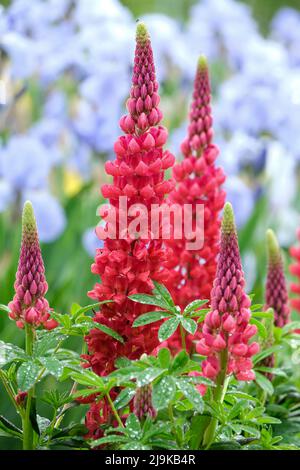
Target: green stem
point(172, 419)
point(218, 396)
point(182, 333)
point(27, 427)
point(116, 414)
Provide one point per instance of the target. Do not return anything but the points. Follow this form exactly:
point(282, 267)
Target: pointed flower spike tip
point(202, 63)
point(273, 249)
point(228, 222)
point(142, 34)
point(29, 228)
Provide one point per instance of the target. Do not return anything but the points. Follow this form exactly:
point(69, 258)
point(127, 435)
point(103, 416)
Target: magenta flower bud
point(276, 289)
point(225, 340)
point(29, 304)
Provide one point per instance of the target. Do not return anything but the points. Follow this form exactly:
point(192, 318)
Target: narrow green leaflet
point(189, 325)
point(163, 392)
point(52, 365)
point(148, 376)
point(4, 308)
point(150, 317)
point(267, 352)
point(8, 429)
point(264, 383)
point(124, 397)
point(27, 375)
point(162, 292)
point(133, 427)
point(168, 328)
point(149, 300)
point(108, 331)
point(260, 327)
point(179, 363)
point(89, 378)
point(195, 305)
point(10, 352)
point(108, 440)
point(164, 357)
point(191, 393)
point(46, 342)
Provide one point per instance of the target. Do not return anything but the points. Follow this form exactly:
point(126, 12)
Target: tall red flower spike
point(276, 289)
point(226, 331)
point(199, 181)
point(29, 304)
point(127, 265)
point(295, 271)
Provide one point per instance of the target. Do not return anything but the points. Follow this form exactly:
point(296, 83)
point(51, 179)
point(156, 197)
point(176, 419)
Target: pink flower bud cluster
point(295, 271)
point(126, 264)
point(142, 403)
point(227, 330)
point(276, 289)
point(29, 304)
point(144, 99)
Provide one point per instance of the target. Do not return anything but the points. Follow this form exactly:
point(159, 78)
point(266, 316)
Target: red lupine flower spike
point(276, 289)
point(295, 271)
point(200, 131)
point(29, 304)
point(226, 331)
point(142, 403)
point(126, 264)
point(199, 181)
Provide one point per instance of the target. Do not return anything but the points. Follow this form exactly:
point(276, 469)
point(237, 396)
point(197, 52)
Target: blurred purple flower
point(91, 242)
point(241, 198)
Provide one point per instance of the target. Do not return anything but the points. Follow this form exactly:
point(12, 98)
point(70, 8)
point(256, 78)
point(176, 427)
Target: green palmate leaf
point(201, 315)
point(294, 325)
point(48, 341)
point(8, 429)
point(108, 440)
point(27, 375)
point(10, 352)
point(109, 331)
point(179, 363)
point(260, 327)
point(268, 420)
point(256, 307)
point(52, 365)
point(272, 370)
point(149, 300)
point(164, 357)
point(150, 317)
point(75, 308)
point(268, 314)
point(4, 308)
point(148, 376)
point(134, 445)
point(193, 306)
point(264, 383)
point(133, 427)
point(265, 353)
point(122, 362)
point(163, 392)
point(162, 292)
point(124, 398)
point(189, 325)
point(89, 378)
point(168, 328)
point(191, 393)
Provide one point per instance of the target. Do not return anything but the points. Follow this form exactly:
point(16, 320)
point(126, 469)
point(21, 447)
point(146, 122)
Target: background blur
point(65, 74)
